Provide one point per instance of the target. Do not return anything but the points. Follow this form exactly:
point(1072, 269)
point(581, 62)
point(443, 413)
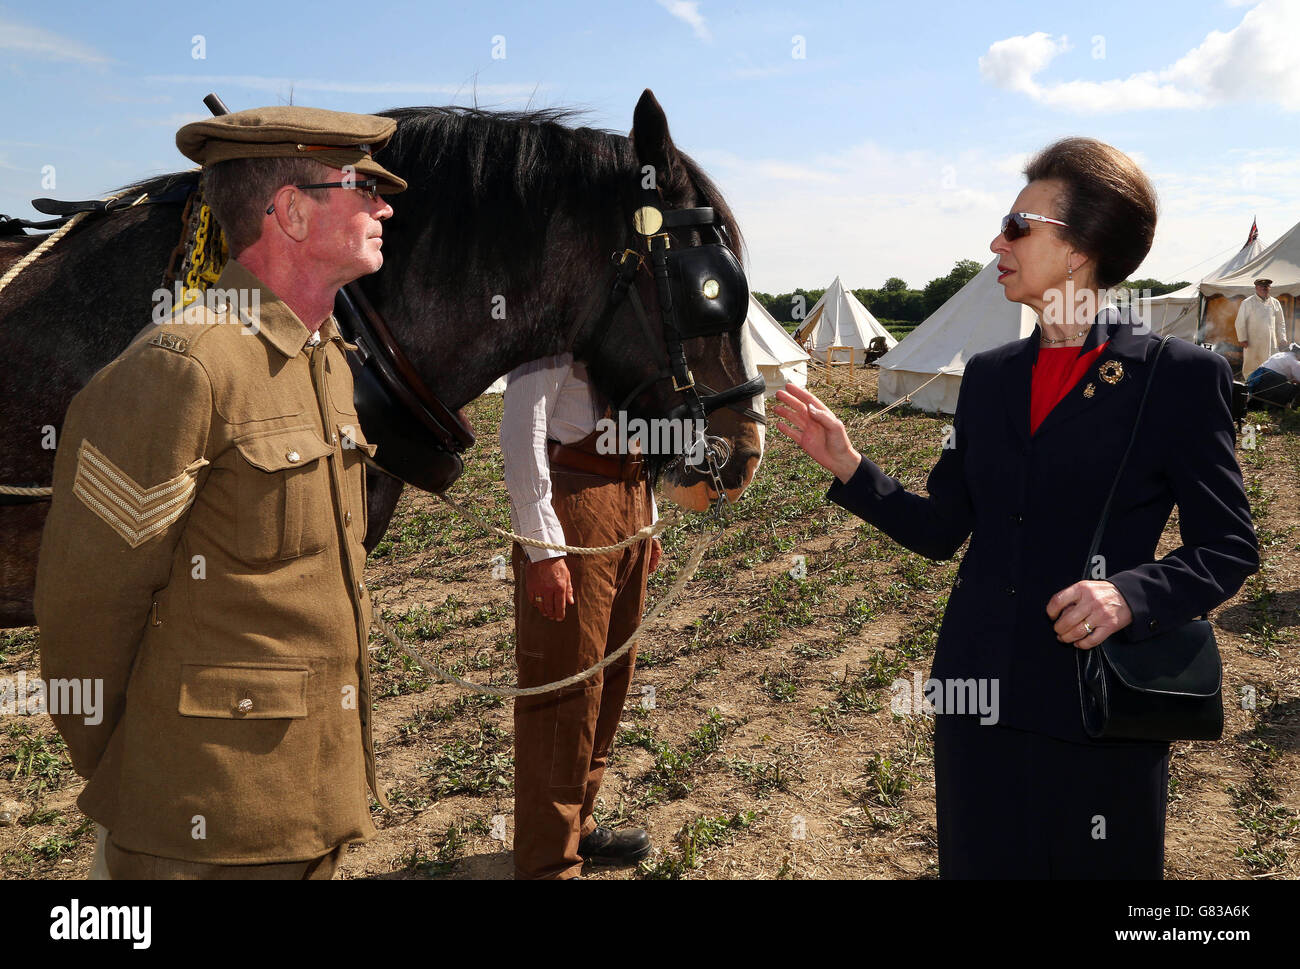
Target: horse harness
point(702, 291)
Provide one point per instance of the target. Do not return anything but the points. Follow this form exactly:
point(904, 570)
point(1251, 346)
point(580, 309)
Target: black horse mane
point(493, 180)
point(157, 185)
point(484, 186)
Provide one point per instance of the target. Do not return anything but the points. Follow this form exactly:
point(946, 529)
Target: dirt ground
point(767, 748)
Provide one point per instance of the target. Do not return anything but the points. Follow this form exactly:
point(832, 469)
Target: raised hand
point(810, 424)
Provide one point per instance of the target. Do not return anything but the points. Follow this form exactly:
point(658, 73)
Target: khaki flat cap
point(334, 138)
point(1263, 282)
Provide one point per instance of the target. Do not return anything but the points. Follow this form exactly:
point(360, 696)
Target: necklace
point(1064, 339)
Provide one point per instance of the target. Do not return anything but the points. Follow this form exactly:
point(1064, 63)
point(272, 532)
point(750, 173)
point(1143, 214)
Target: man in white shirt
point(570, 611)
point(1261, 330)
point(1275, 381)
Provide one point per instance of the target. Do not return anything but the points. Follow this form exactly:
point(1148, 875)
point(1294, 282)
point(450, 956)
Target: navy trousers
point(1013, 804)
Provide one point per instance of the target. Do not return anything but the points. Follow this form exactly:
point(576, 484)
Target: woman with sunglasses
point(1040, 429)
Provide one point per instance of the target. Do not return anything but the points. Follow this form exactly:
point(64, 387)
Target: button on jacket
point(203, 558)
point(1030, 504)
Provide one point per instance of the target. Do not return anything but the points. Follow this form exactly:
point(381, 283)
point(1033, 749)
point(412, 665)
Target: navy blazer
point(1030, 504)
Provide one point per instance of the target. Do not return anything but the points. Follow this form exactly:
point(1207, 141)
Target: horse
point(497, 254)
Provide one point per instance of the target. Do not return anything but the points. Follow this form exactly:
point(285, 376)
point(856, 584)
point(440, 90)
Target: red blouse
point(1056, 371)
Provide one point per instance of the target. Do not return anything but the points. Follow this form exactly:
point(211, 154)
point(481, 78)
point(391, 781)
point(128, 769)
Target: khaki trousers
point(563, 740)
point(117, 864)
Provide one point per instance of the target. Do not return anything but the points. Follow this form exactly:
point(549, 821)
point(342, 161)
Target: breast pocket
point(284, 496)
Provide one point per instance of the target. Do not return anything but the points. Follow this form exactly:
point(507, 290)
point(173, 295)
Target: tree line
point(895, 304)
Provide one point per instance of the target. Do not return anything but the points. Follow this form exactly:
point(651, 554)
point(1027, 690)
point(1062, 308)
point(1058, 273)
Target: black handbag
point(1166, 687)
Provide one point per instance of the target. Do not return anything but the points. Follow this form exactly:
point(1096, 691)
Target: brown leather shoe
point(605, 846)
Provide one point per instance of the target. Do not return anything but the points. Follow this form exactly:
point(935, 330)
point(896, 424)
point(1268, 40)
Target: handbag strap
point(1105, 509)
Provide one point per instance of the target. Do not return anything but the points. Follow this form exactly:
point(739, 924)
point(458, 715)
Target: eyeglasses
point(1016, 224)
point(368, 185)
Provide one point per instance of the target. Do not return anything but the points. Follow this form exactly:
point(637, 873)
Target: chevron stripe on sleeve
point(135, 511)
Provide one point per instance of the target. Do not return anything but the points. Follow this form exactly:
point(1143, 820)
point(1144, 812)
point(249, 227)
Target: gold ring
point(1088, 626)
point(537, 599)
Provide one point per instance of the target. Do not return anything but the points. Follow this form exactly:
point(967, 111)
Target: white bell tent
point(839, 319)
point(977, 317)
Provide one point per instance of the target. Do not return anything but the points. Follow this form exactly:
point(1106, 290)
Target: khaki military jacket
point(203, 558)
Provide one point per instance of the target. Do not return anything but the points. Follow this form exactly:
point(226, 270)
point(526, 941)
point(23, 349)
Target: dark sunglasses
point(368, 185)
point(1016, 224)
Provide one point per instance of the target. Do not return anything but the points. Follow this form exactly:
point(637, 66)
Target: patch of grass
point(16, 641)
point(781, 684)
point(858, 694)
point(819, 650)
point(39, 758)
point(41, 817)
point(671, 775)
point(419, 721)
point(477, 766)
point(858, 613)
point(416, 802)
point(692, 840)
point(1273, 826)
point(768, 776)
point(447, 850)
point(887, 781)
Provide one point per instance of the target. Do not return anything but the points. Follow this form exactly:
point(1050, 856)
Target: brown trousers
point(563, 740)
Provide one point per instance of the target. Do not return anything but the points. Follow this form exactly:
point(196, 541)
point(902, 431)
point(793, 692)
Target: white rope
point(54, 237)
point(688, 570)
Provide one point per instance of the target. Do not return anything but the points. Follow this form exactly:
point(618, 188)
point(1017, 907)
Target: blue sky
point(890, 148)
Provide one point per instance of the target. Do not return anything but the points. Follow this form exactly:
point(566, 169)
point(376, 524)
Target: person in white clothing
point(1277, 380)
point(1261, 330)
point(570, 611)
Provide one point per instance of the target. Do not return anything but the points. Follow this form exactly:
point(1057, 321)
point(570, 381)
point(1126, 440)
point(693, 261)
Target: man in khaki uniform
point(1261, 328)
point(203, 555)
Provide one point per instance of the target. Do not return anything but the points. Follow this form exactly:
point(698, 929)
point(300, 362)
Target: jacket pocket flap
point(282, 450)
point(352, 437)
point(243, 692)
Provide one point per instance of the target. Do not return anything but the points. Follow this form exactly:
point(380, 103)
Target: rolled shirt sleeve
point(529, 401)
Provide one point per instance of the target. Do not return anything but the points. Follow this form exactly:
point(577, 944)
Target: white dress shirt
point(547, 398)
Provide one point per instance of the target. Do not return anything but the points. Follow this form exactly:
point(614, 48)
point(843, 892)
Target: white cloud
point(282, 85)
point(1012, 63)
point(866, 213)
point(869, 212)
point(46, 45)
point(688, 11)
point(1253, 61)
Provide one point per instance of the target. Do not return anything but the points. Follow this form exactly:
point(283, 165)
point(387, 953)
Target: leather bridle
point(702, 291)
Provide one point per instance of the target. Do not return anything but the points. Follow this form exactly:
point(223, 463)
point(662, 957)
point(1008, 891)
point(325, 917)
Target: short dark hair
point(239, 190)
point(1108, 201)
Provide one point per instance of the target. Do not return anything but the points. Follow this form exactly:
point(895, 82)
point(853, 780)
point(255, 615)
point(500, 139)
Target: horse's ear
point(654, 145)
